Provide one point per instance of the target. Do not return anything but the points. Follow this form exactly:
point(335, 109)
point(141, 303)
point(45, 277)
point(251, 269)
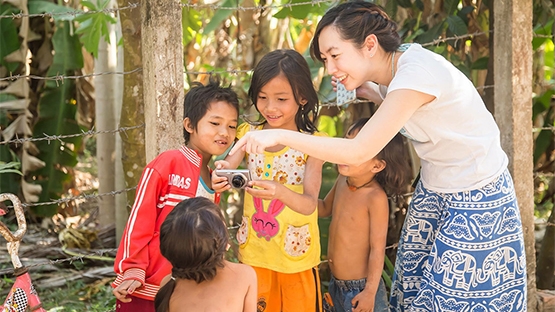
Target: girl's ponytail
point(162, 299)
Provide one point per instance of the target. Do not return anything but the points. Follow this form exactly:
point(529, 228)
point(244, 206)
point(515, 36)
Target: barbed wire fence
point(60, 79)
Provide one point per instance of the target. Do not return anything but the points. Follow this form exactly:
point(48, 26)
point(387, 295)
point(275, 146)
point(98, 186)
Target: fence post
point(512, 31)
point(105, 92)
point(162, 50)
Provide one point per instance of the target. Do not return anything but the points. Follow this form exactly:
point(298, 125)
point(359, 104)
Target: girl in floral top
point(279, 234)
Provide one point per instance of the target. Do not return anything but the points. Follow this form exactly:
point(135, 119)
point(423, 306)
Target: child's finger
point(221, 164)
point(221, 187)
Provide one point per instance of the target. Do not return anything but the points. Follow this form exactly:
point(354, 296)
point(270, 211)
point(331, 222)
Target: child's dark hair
point(395, 176)
point(200, 97)
point(194, 239)
point(294, 67)
point(356, 20)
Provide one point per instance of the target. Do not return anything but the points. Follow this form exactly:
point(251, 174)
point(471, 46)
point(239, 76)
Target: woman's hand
point(220, 184)
point(126, 288)
point(255, 142)
point(370, 91)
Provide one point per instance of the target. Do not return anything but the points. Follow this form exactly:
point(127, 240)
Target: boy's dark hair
point(356, 20)
point(200, 97)
point(395, 176)
point(294, 67)
point(194, 239)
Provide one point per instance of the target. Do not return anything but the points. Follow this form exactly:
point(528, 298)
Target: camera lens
point(238, 181)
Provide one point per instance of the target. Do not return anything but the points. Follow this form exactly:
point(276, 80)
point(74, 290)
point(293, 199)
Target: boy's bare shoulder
point(375, 196)
point(241, 269)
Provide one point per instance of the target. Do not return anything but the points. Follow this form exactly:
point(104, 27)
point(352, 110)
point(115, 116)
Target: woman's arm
point(393, 113)
point(370, 91)
point(325, 206)
point(234, 160)
point(304, 203)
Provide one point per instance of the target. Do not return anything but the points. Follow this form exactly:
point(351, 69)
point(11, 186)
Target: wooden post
point(512, 44)
point(105, 121)
point(162, 51)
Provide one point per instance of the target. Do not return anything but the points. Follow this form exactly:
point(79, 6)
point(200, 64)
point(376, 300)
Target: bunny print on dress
point(265, 223)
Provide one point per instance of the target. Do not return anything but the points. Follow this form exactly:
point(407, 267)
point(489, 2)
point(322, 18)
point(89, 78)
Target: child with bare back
point(358, 229)
point(194, 239)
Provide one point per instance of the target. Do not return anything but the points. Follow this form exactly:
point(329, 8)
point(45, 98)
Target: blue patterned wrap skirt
point(461, 252)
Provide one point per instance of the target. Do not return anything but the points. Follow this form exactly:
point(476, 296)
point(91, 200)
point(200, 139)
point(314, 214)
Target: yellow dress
point(272, 235)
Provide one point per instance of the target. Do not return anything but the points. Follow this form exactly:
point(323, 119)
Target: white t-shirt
point(455, 135)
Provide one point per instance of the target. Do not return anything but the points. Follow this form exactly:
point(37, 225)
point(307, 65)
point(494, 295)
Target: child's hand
point(126, 288)
point(220, 184)
point(334, 83)
point(368, 90)
point(265, 189)
point(363, 302)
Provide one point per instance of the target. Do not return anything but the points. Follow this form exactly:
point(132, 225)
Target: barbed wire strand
point(82, 196)
point(61, 78)
point(254, 8)
point(74, 13)
point(91, 132)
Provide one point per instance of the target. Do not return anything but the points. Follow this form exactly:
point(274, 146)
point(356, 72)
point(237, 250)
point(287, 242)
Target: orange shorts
point(282, 292)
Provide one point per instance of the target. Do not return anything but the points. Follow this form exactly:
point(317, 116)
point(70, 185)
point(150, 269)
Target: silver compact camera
point(237, 178)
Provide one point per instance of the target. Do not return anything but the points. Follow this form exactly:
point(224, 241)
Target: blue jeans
point(342, 292)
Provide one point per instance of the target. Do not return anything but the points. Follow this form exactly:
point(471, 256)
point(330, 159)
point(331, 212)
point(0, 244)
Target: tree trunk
point(132, 111)
point(513, 113)
point(162, 37)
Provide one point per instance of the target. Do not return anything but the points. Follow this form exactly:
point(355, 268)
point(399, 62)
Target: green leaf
point(6, 97)
point(466, 10)
point(419, 5)
point(432, 34)
point(220, 16)
point(57, 116)
point(11, 167)
point(40, 7)
point(450, 6)
point(481, 63)
point(325, 92)
point(9, 40)
point(542, 103)
point(9, 180)
point(94, 26)
point(68, 55)
point(404, 4)
point(297, 11)
point(456, 25)
point(543, 141)
point(92, 6)
point(543, 30)
point(191, 23)
point(391, 8)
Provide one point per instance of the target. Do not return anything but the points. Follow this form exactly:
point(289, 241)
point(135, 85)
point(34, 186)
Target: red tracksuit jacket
point(170, 178)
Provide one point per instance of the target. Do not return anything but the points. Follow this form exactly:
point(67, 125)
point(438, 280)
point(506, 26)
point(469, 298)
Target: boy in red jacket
point(210, 122)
